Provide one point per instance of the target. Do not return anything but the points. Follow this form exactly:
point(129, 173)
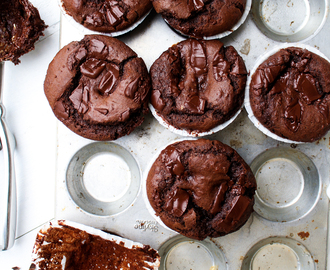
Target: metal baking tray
point(268, 239)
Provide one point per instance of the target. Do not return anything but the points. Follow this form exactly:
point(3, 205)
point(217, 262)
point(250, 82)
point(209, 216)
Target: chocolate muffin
point(107, 16)
point(198, 84)
point(290, 94)
point(201, 188)
point(200, 18)
point(98, 87)
point(20, 27)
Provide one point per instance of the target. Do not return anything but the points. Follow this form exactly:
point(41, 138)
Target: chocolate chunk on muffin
point(107, 16)
point(198, 84)
point(20, 27)
point(200, 18)
point(98, 87)
point(201, 188)
point(290, 94)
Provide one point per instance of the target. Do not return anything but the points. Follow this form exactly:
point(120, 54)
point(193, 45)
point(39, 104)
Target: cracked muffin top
point(107, 16)
point(201, 188)
point(290, 94)
point(198, 84)
point(98, 87)
point(200, 18)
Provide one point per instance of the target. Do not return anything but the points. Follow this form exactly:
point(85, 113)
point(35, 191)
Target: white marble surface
point(32, 122)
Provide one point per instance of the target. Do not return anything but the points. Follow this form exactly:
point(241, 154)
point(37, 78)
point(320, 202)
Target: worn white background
point(32, 122)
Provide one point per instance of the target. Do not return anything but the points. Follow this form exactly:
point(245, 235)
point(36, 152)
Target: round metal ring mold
point(289, 21)
point(103, 178)
point(288, 183)
point(278, 253)
point(181, 252)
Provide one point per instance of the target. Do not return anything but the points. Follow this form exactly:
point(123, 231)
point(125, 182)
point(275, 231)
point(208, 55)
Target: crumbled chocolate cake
point(98, 87)
point(201, 188)
point(200, 18)
point(62, 246)
point(198, 84)
point(290, 94)
point(20, 27)
point(107, 16)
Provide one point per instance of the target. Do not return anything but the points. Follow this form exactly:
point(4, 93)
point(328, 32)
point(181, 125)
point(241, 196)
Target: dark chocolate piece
point(172, 162)
point(177, 203)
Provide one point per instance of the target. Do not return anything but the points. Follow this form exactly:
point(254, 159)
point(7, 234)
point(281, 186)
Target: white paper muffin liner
point(144, 184)
point(85, 31)
point(225, 33)
point(36, 259)
point(193, 133)
point(259, 61)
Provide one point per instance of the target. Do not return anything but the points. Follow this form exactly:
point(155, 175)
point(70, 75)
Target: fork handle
point(8, 199)
point(8, 204)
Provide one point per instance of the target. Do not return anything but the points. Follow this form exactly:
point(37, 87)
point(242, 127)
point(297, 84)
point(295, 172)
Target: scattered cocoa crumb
point(303, 235)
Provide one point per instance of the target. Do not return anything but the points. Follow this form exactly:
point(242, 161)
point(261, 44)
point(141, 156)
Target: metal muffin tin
point(288, 183)
point(290, 20)
point(103, 178)
point(300, 240)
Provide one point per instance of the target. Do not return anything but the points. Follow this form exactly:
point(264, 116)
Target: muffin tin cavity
point(179, 252)
point(278, 253)
point(288, 184)
point(289, 21)
point(103, 178)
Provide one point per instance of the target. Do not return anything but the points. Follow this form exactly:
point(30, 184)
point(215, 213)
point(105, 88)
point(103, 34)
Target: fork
point(8, 204)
